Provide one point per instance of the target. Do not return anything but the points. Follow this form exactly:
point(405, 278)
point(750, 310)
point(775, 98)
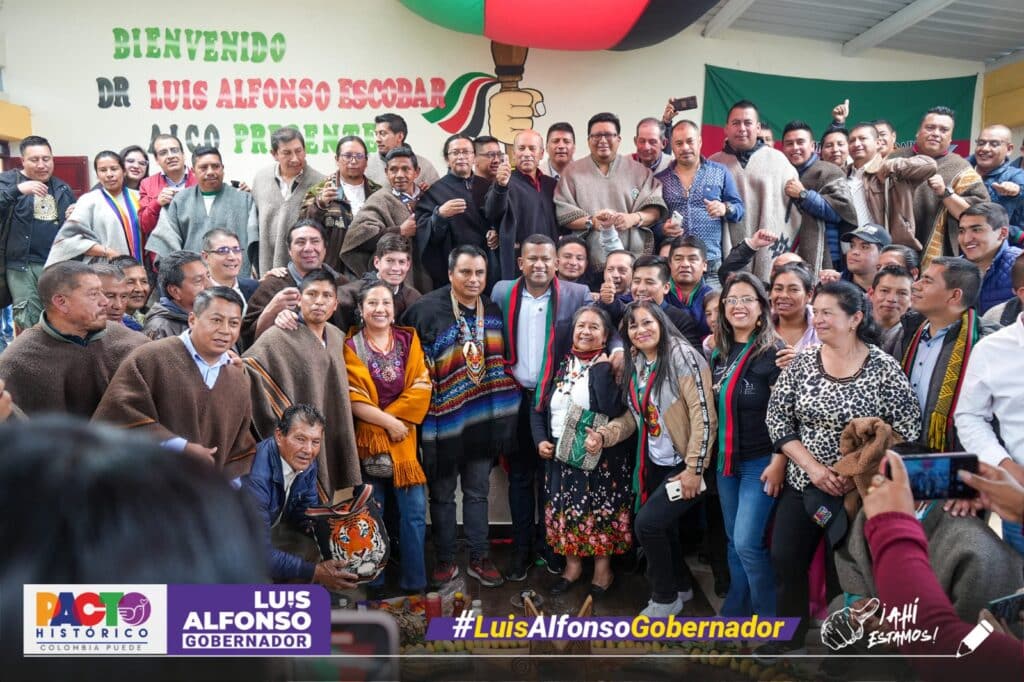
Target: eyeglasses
point(741, 300)
point(460, 152)
point(225, 250)
point(170, 151)
point(995, 144)
point(603, 136)
point(354, 157)
point(492, 155)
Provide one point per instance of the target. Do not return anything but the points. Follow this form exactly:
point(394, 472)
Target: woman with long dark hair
point(668, 390)
point(587, 512)
point(105, 221)
point(790, 290)
point(816, 396)
point(749, 475)
point(390, 392)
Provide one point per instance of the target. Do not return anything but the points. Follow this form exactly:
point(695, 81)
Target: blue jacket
point(995, 285)
point(695, 305)
point(265, 486)
point(1006, 173)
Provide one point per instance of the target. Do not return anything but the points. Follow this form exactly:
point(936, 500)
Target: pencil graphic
point(974, 638)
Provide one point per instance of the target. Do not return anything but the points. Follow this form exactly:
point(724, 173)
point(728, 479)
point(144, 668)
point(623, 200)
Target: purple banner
point(639, 628)
point(248, 620)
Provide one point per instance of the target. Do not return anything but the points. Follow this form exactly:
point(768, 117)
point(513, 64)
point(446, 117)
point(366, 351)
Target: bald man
point(1003, 180)
point(520, 202)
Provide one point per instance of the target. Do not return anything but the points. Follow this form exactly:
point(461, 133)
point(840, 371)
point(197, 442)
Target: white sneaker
point(686, 596)
point(656, 610)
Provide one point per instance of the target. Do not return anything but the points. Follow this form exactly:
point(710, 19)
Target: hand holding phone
point(934, 476)
point(684, 103)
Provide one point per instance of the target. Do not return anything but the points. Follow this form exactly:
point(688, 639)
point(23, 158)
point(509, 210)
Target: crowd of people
point(631, 336)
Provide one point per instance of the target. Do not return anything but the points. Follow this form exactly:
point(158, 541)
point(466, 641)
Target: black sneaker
point(518, 570)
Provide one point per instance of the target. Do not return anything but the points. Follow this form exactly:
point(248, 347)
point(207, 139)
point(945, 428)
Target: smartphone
point(685, 103)
point(677, 217)
point(674, 489)
point(236, 184)
point(1008, 608)
point(934, 476)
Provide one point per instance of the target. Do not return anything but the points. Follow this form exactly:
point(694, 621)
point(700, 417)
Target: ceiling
point(990, 31)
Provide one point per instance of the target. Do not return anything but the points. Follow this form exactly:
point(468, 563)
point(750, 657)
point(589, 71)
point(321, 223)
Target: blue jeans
point(747, 510)
point(412, 528)
point(1013, 537)
point(475, 475)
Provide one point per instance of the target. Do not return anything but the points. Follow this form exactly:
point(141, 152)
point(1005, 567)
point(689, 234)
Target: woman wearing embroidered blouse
point(791, 289)
point(588, 512)
point(749, 475)
point(668, 390)
point(390, 392)
point(815, 397)
point(105, 221)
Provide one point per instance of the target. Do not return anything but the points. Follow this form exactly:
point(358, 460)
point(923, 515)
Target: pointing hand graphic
point(846, 626)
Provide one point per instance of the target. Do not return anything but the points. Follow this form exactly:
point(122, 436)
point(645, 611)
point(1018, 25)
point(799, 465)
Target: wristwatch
point(803, 194)
point(948, 192)
point(589, 225)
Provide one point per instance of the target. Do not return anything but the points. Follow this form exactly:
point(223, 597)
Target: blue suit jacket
point(265, 486)
point(248, 287)
point(571, 297)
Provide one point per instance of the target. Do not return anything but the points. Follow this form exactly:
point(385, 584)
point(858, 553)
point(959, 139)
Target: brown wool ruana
point(292, 367)
point(159, 388)
point(828, 180)
point(47, 374)
point(381, 214)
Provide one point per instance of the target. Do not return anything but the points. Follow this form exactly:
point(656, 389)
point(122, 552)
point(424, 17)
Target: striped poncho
point(465, 420)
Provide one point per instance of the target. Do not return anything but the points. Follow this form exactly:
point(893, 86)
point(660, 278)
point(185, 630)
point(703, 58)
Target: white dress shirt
point(530, 334)
point(992, 387)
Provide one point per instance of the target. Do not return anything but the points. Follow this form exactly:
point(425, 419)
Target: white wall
point(52, 68)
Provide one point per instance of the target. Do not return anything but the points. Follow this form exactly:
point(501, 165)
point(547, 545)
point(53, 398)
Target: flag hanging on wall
point(781, 99)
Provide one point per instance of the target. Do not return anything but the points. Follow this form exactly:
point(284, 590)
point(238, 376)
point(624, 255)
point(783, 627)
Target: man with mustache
point(939, 202)
point(611, 199)
point(561, 149)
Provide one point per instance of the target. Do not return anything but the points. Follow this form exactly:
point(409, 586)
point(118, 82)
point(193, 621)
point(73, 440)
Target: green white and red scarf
point(650, 427)
point(728, 423)
point(513, 305)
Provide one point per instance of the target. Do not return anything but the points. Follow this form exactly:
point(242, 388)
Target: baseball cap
point(871, 233)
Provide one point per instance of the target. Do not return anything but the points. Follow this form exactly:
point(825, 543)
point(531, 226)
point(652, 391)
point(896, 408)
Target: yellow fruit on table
point(430, 647)
point(734, 664)
point(695, 651)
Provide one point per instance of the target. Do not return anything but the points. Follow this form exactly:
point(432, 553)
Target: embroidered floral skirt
point(589, 513)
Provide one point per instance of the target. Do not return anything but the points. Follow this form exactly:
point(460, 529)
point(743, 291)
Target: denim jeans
point(412, 527)
point(747, 510)
point(1013, 537)
point(475, 476)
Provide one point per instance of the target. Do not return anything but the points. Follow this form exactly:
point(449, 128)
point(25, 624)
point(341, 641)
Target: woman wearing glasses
point(334, 201)
point(749, 475)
